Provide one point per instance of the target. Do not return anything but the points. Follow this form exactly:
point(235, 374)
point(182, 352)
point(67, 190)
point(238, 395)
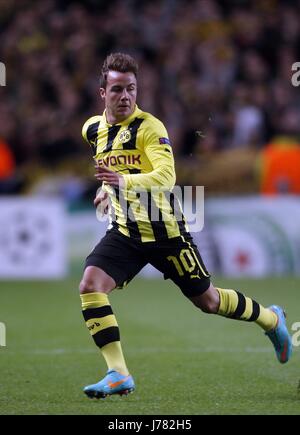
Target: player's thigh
point(118, 256)
point(179, 260)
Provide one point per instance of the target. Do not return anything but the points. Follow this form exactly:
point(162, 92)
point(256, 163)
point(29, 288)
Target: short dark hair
point(120, 62)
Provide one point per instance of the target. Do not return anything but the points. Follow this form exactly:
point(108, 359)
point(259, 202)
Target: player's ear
point(102, 93)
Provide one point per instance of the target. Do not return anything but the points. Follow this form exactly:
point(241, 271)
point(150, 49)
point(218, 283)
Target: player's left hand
point(110, 177)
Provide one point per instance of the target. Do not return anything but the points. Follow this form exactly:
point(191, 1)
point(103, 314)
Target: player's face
point(119, 96)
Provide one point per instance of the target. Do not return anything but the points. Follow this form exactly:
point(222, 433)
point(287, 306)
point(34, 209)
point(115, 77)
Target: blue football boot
point(113, 383)
point(280, 336)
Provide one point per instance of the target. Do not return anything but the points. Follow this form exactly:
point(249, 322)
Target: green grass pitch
point(183, 361)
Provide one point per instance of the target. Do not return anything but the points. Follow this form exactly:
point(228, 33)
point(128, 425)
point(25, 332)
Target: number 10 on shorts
point(185, 261)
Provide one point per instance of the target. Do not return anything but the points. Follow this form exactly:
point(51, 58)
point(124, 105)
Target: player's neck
point(112, 119)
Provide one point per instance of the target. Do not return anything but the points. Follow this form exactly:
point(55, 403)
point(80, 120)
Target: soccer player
point(132, 150)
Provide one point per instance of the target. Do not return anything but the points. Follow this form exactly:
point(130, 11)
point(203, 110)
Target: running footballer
point(132, 152)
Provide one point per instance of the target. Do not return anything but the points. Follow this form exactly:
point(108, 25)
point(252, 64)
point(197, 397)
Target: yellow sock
point(235, 305)
point(104, 329)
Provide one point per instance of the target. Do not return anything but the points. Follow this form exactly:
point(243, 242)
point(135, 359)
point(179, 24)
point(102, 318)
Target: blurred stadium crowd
point(217, 73)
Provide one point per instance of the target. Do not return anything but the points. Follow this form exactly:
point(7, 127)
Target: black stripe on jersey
point(240, 306)
point(97, 313)
point(114, 222)
point(107, 336)
point(174, 202)
point(134, 171)
point(111, 135)
point(132, 226)
point(255, 313)
point(91, 135)
point(158, 227)
point(133, 128)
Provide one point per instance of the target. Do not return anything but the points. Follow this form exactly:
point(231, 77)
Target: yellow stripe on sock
point(267, 319)
point(93, 300)
point(228, 301)
point(113, 355)
point(248, 309)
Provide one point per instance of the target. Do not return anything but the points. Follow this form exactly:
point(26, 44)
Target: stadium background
point(218, 73)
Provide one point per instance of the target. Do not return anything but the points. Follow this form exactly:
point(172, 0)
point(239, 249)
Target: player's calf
point(208, 302)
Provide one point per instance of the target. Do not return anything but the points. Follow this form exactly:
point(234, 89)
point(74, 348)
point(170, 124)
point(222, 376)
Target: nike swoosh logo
point(116, 384)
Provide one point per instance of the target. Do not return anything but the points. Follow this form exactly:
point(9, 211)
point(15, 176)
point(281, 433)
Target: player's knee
point(96, 280)
point(86, 286)
point(90, 286)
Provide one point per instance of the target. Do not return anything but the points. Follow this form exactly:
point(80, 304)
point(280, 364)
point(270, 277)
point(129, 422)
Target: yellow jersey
point(138, 148)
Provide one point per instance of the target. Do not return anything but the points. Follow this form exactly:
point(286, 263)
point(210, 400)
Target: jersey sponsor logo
point(164, 140)
point(120, 160)
point(125, 136)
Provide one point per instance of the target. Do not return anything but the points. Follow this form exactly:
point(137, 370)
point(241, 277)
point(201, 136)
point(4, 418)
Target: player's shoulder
point(151, 122)
point(90, 127)
point(91, 121)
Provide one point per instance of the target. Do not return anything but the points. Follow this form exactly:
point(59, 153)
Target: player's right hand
point(102, 202)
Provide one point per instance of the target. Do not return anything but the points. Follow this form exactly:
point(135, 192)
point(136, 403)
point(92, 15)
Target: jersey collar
point(126, 121)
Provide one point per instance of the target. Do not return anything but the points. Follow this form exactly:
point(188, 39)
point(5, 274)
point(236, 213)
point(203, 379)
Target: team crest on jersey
point(125, 136)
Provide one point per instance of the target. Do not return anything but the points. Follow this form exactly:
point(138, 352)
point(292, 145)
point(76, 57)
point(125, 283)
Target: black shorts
point(178, 259)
